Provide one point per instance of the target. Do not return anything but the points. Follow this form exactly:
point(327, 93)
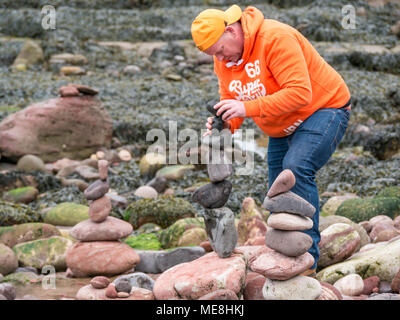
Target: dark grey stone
point(289, 202)
point(159, 184)
point(96, 190)
point(123, 285)
point(220, 166)
point(221, 230)
point(137, 279)
point(289, 243)
point(7, 290)
point(213, 195)
point(148, 261)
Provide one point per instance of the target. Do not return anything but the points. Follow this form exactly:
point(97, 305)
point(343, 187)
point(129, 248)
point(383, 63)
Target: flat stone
point(290, 243)
point(283, 183)
point(100, 282)
point(137, 280)
point(289, 222)
point(221, 230)
point(297, 288)
point(100, 209)
point(96, 190)
point(276, 266)
point(213, 195)
point(110, 229)
point(289, 202)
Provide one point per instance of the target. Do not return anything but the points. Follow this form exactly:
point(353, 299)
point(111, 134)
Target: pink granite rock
point(370, 284)
point(276, 266)
point(252, 252)
point(141, 294)
point(283, 183)
point(253, 286)
point(101, 258)
point(197, 278)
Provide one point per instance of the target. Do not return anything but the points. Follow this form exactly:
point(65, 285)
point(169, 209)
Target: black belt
point(347, 104)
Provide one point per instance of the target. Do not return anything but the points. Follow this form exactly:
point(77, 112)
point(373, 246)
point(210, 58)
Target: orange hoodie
point(282, 79)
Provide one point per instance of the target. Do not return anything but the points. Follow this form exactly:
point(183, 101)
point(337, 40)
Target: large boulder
point(17, 213)
point(67, 214)
point(38, 253)
point(338, 242)
point(25, 232)
point(382, 260)
point(195, 279)
point(73, 127)
point(8, 260)
point(164, 211)
point(106, 258)
point(333, 203)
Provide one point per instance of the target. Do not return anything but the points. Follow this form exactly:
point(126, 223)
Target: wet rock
point(338, 242)
point(30, 162)
point(100, 209)
point(163, 211)
point(100, 282)
point(8, 260)
point(221, 230)
point(8, 291)
point(213, 195)
point(52, 125)
point(297, 288)
point(19, 233)
point(289, 222)
point(276, 266)
point(329, 292)
point(12, 214)
point(370, 284)
point(96, 190)
point(110, 229)
point(381, 261)
point(253, 287)
point(221, 294)
point(123, 285)
point(290, 243)
point(146, 192)
point(195, 279)
point(350, 285)
point(252, 221)
point(289, 202)
point(101, 258)
point(283, 183)
point(66, 214)
point(138, 280)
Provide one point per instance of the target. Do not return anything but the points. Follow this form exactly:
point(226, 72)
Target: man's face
point(228, 48)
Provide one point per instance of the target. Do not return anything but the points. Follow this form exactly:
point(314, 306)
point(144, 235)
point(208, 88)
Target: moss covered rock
point(144, 241)
point(13, 213)
point(21, 195)
point(333, 203)
point(389, 192)
point(359, 210)
point(150, 163)
point(193, 237)
point(174, 172)
point(21, 277)
point(8, 260)
point(13, 235)
point(38, 253)
point(67, 214)
point(164, 211)
point(170, 237)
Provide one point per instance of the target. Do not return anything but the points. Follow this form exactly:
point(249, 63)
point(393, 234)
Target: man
point(270, 72)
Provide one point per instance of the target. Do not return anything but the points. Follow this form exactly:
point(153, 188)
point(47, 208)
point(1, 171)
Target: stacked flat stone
point(290, 215)
point(219, 220)
point(100, 233)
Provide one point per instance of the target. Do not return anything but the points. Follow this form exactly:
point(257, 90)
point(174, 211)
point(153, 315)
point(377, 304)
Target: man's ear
point(231, 30)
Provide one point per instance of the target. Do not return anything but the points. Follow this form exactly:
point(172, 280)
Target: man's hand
point(231, 108)
point(209, 126)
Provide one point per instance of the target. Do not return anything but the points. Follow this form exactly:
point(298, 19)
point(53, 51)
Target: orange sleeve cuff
point(252, 108)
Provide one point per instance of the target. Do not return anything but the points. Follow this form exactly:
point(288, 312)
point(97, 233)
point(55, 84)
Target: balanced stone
point(96, 190)
point(110, 229)
point(219, 166)
point(283, 183)
point(288, 221)
point(218, 140)
point(100, 209)
point(221, 230)
point(103, 169)
point(213, 195)
point(289, 243)
point(289, 202)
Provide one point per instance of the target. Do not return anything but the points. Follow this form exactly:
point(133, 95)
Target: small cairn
point(99, 251)
point(219, 220)
point(290, 215)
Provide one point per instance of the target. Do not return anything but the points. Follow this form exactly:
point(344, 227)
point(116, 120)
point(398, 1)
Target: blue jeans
point(304, 152)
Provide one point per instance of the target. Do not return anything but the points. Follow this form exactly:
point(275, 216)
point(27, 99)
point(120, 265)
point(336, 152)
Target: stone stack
point(219, 220)
point(99, 251)
point(290, 215)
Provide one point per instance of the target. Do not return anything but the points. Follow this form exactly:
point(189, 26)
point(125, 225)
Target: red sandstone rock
point(100, 209)
point(221, 294)
point(283, 183)
point(369, 284)
point(253, 286)
point(100, 282)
